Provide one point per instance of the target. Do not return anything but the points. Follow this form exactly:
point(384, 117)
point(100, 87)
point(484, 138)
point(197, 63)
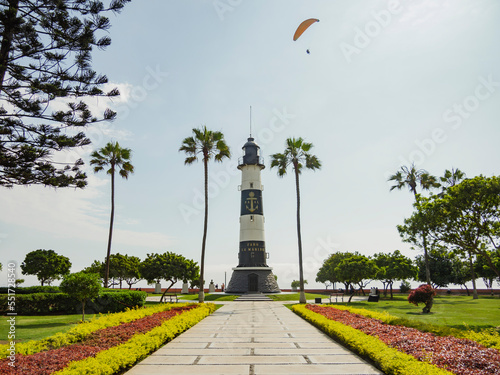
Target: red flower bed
point(459, 356)
point(47, 362)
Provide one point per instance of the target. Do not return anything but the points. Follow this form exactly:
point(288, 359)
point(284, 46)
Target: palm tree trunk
point(106, 274)
point(201, 295)
point(302, 298)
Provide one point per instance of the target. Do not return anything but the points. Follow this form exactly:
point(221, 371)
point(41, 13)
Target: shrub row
point(82, 330)
point(389, 360)
point(31, 289)
point(121, 357)
point(61, 303)
point(490, 337)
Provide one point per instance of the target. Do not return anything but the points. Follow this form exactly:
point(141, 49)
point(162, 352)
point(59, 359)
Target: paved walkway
point(252, 338)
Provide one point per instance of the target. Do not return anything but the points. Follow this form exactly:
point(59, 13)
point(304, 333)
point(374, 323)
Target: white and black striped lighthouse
point(252, 273)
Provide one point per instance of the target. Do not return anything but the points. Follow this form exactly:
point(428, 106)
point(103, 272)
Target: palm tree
point(116, 158)
point(451, 178)
point(412, 177)
point(208, 144)
point(296, 154)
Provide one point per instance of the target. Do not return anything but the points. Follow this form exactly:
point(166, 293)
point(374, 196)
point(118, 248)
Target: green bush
point(32, 289)
point(61, 303)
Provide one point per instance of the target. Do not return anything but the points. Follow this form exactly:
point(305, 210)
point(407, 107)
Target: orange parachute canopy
point(303, 27)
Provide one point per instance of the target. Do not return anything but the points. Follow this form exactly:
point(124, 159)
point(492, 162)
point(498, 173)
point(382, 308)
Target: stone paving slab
point(253, 338)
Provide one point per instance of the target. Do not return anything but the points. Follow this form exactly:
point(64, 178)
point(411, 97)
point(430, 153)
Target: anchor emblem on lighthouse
point(251, 201)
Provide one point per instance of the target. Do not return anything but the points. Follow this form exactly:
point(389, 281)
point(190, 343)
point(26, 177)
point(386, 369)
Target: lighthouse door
point(253, 282)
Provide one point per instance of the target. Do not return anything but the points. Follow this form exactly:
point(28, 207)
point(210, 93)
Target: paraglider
point(303, 27)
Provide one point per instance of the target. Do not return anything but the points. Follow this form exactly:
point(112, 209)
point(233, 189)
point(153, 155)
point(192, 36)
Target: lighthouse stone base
point(253, 279)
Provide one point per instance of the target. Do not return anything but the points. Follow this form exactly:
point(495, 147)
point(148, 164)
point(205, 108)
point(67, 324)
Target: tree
point(485, 272)
point(470, 218)
point(170, 267)
point(441, 266)
point(45, 62)
point(411, 177)
point(125, 268)
point(461, 273)
point(392, 267)
point(47, 265)
point(117, 158)
point(327, 270)
point(209, 144)
point(357, 269)
point(297, 155)
point(82, 286)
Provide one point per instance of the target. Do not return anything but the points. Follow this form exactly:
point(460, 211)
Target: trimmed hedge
point(61, 303)
point(389, 360)
point(32, 289)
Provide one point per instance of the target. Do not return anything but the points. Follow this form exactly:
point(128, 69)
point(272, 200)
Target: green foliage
point(125, 268)
point(296, 283)
point(46, 55)
point(392, 267)
point(47, 265)
point(33, 289)
point(465, 219)
point(440, 265)
point(82, 286)
point(62, 303)
point(405, 287)
point(170, 267)
point(327, 270)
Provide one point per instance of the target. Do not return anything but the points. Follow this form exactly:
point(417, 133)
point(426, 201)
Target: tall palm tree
point(411, 177)
point(117, 158)
point(206, 144)
point(296, 154)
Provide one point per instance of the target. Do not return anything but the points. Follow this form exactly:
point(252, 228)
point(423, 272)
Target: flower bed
point(460, 356)
point(97, 352)
point(80, 331)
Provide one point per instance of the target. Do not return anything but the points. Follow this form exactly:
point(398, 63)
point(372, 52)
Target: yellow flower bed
point(120, 357)
point(78, 332)
point(389, 360)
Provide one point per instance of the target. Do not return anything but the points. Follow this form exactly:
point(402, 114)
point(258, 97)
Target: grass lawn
point(39, 327)
point(449, 311)
point(294, 296)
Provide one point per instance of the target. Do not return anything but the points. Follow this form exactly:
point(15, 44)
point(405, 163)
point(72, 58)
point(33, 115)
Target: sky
point(386, 83)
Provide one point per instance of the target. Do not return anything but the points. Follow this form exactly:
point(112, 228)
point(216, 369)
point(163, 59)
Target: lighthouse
point(252, 273)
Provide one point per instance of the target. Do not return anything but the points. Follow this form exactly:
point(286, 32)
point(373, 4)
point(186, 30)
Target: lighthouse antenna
point(250, 121)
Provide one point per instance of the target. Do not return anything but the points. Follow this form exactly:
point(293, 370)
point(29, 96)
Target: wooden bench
point(171, 297)
point(337, 295)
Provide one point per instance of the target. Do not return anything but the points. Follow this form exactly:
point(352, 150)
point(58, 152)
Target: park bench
point(337, 296)
point(171, 296)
